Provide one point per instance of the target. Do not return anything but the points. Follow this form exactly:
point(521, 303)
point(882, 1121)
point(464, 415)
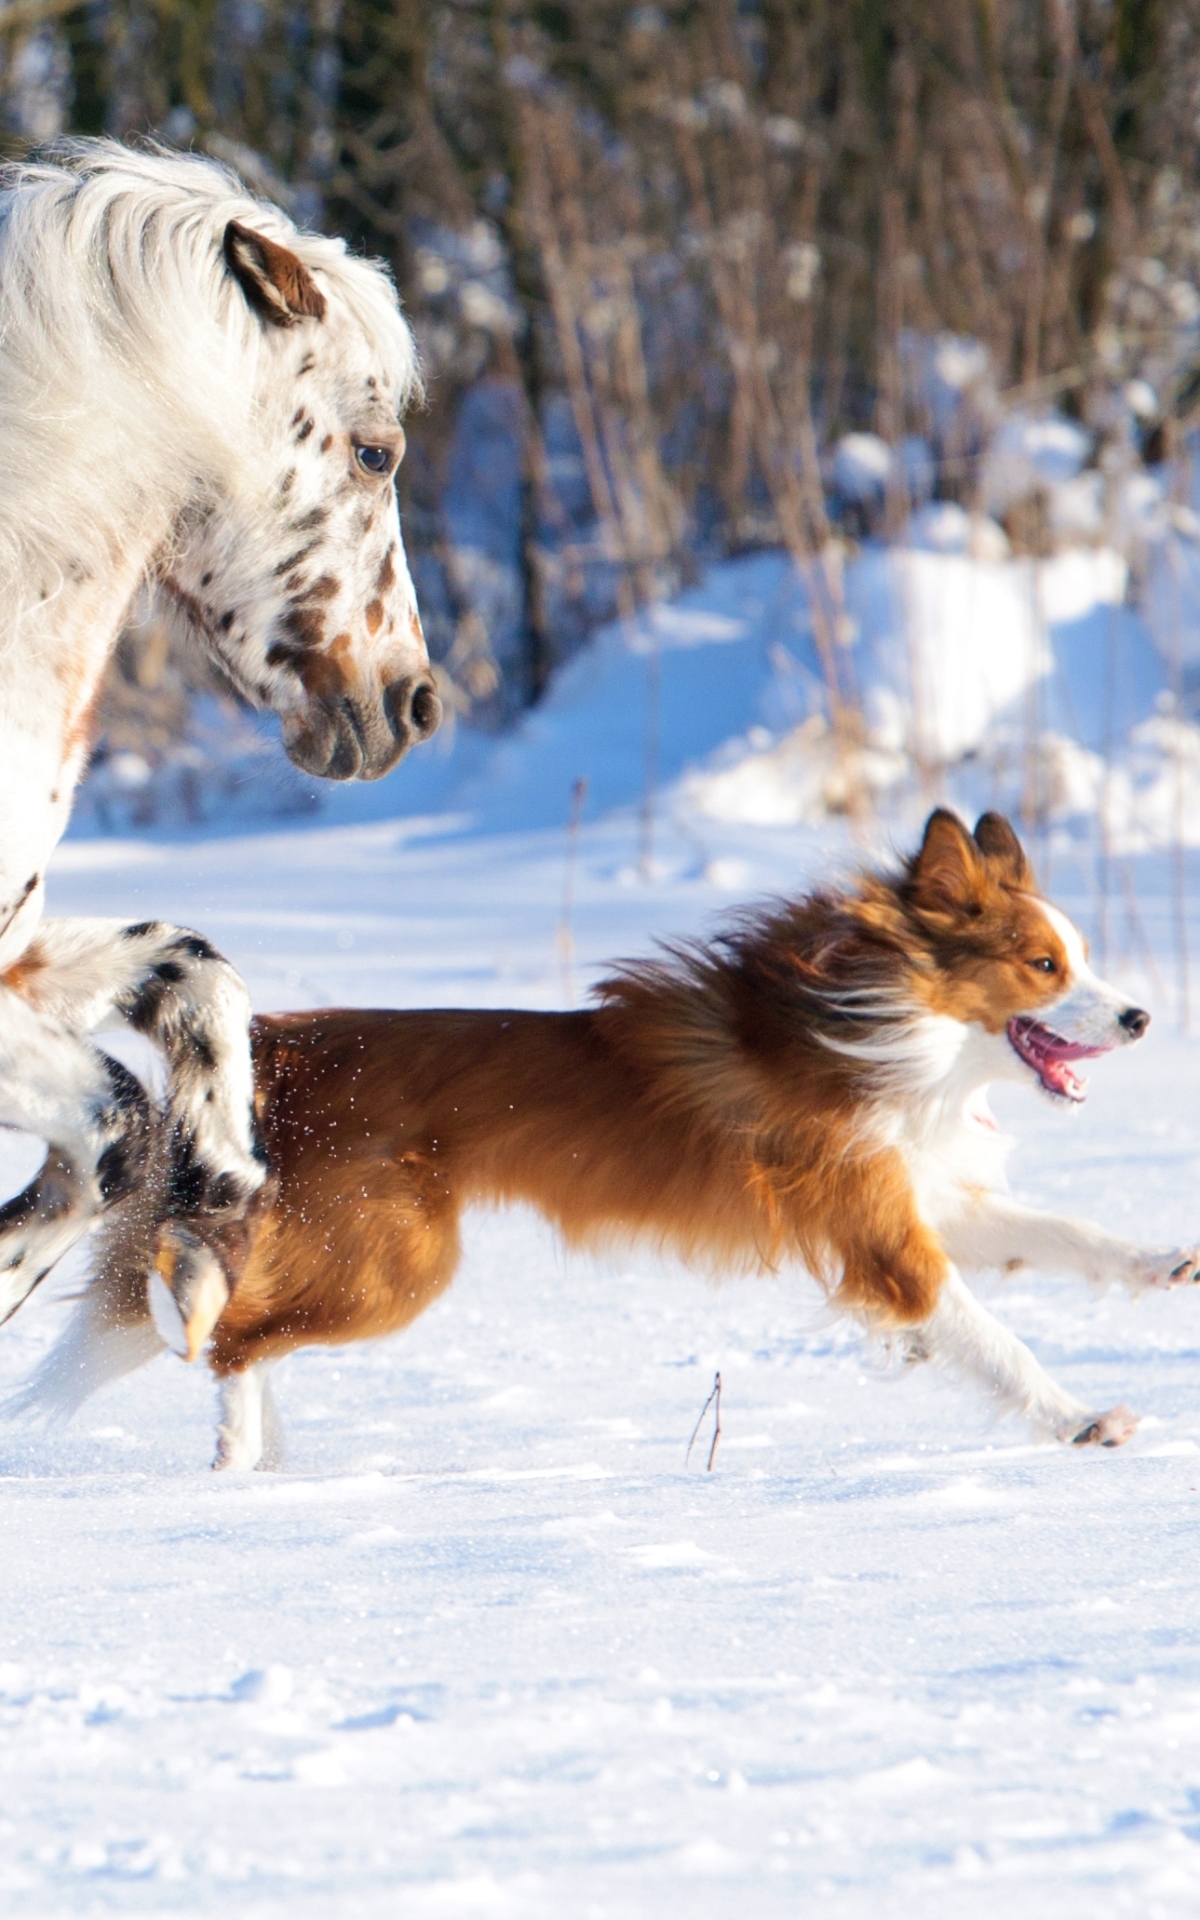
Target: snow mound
point(805, 776)
point(1030, 453)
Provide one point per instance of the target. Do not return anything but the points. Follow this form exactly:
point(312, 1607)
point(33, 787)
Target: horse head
point(292, 573)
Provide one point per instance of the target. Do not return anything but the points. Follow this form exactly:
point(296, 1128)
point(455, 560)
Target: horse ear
point(276, 284)
point(947, 872)
point(995, 838)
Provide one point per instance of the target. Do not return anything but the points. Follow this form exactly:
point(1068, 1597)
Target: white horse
point(194, 395)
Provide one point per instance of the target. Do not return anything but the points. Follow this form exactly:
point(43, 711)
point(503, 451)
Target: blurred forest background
point(692, 279)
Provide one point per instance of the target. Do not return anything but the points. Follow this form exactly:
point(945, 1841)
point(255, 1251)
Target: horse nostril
point(1134, 1021)
point(414, 708)
point(425, 709)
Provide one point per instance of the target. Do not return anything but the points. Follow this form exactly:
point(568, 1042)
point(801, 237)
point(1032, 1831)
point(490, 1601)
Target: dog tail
point(111, 1332)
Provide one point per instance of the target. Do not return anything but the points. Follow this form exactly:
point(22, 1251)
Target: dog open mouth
point(1051, 1056)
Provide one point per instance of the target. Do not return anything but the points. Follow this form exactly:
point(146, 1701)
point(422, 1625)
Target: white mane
point(120, 327)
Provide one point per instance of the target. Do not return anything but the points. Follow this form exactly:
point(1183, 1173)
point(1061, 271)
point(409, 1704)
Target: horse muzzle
point(343, 738)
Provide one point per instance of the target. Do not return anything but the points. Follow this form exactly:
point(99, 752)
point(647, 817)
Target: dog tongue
point(1058, 1074)
point(1050, 1056)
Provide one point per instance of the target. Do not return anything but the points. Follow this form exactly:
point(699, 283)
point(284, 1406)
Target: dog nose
point(1134, 1021)
point(413, 708)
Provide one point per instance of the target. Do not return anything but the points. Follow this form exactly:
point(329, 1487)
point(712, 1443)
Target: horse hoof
point(196, 1289)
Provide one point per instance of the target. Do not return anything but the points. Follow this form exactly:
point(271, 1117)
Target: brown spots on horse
point(304, 432)
point(206, 579)
point(325, 587)
point(227, 619)
point(294, 559)
point(307, 364)
point(385, 579)
point(306, 626)
point(297, 417)
point(281, 654)
point(336, 667)
point(307, 522)
point(326, 443)
point(325, 674)
point(374, 615)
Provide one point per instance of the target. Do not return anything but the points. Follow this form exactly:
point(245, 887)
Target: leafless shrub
point(696, 244)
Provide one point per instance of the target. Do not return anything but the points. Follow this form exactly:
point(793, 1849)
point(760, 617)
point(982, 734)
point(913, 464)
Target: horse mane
point(120, 328)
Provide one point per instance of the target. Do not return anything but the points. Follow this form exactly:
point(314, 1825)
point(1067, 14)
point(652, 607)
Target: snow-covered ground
point(488, 1645)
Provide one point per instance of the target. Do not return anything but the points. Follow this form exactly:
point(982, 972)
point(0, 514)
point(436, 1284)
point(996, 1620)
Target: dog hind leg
point(274, 1447)
point(240, 1429)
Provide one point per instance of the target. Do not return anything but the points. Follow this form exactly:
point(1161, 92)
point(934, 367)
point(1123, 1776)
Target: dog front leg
point(990, 1230)
point(961, 1335)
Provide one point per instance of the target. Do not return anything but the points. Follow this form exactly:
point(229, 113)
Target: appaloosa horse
point(195, 395)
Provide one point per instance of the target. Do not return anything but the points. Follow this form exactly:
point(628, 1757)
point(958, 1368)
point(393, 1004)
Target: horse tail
point(112, 1330)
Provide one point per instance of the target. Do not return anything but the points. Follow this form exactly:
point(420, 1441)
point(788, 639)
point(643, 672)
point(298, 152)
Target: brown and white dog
point(808, 1089)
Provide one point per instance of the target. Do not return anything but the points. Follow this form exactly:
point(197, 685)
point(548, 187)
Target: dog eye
point(1044, 965)
point(374, 459)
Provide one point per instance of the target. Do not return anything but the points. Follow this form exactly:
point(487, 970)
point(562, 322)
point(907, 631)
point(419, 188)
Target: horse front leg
point(95, 1119)
point(172, 986)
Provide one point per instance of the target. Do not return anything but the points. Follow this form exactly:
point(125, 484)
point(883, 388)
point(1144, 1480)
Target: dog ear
point(276, 284)
point(995, 836)
point(948, 871)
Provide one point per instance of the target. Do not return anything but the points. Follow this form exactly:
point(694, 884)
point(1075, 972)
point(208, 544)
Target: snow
point(861, 465)
point(489, 1645)
point(1028, 452)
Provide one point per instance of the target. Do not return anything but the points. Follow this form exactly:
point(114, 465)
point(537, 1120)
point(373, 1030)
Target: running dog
point(808, 1089)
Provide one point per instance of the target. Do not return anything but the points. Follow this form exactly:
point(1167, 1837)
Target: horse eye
point(374, 459)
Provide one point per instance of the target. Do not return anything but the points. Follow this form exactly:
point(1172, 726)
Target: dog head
point(991, 953)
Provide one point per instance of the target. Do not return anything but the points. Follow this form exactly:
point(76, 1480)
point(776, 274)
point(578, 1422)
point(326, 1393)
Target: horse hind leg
point(172, 986)
point(95, 1118)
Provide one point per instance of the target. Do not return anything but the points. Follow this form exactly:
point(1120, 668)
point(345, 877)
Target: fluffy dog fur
point(808, 1089)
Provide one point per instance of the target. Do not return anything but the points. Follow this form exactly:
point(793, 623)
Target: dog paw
point(1173, 1267)
point(1110, 1429)
point(231, 1457)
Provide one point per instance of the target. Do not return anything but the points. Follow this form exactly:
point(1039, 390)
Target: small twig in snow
point(715, 1395)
